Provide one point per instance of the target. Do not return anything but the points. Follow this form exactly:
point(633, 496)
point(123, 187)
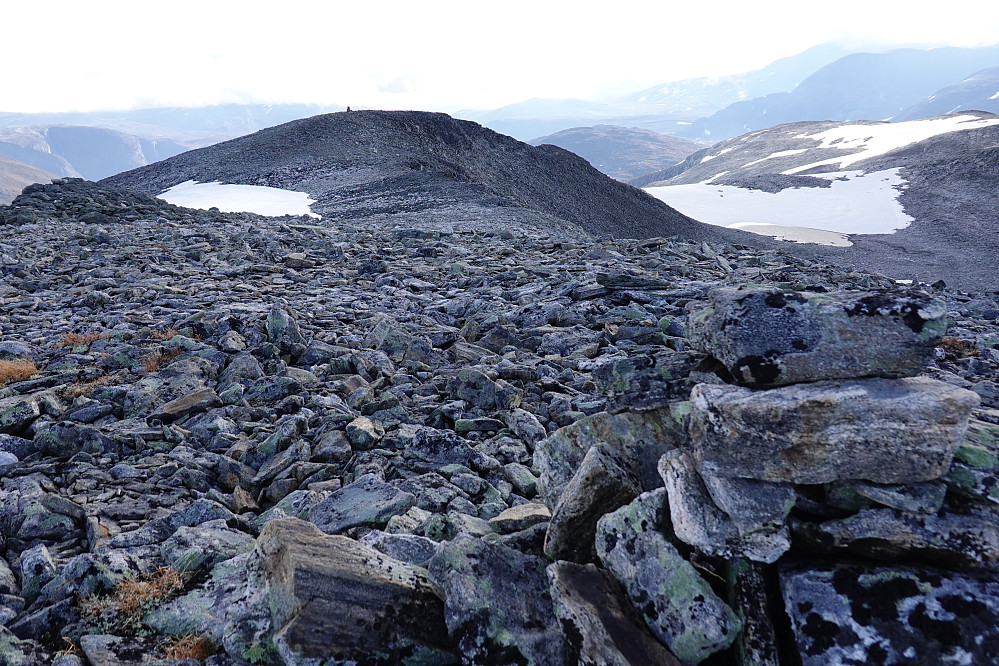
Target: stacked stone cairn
point(811, 478)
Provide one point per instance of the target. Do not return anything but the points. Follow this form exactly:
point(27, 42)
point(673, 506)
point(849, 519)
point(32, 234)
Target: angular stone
point(698, 522)
point(949, 539)
point(881, 430)
point(18, 412)
point(192, 403)
point(769, 336)
point(677, 604)
point(752, 505)
point(363, 433)
point(331, 597)
point(857, 614)
point(408, 548)
point(757, 644)
point(600, 624)
point(367, 501)
point(202, 547)
point(520, 517)
point(599, 486)
point(498, 606)
point(927, 497)
point(638, 439)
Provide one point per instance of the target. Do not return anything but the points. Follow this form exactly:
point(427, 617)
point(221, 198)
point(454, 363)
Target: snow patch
point(996, 96)
point(270, 201)
point(779, 153)
point(874, 140)
point(718, 154)
point(855, 203)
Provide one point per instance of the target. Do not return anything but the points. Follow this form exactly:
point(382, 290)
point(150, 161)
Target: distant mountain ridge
point(621, 152)
point(15, 176)
point(978, 92)
point(88, 152)
point(860, 86)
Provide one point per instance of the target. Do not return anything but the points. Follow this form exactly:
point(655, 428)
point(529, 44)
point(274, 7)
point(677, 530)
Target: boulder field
point(244, 440)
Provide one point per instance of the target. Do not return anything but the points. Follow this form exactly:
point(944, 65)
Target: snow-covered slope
point(239, 198)
point(912, 197)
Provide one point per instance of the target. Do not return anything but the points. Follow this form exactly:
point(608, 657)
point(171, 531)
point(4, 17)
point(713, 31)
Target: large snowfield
point(855, 203)
point(239, 198)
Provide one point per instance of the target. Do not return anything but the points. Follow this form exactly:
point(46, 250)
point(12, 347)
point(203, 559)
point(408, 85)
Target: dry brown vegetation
point(122, 610)
point(155, 360)
point(15, 371)
point(84, 388)
point(79, 339)
point(168, 334)
point(956, 348)
point(194, 646)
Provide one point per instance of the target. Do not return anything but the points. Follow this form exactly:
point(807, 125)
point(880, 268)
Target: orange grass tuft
point(193, 646)
point(79, 339)
point(15, 371)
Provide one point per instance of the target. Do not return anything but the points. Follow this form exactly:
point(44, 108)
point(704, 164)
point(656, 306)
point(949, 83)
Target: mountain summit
point(372, 163)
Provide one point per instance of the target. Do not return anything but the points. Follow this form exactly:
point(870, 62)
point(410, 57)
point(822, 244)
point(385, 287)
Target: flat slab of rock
point(192, 403)
point(881, 430)
point(333, 597)
point(600, 623)
point(367, 501)
point(769, 336)
point(852, 614)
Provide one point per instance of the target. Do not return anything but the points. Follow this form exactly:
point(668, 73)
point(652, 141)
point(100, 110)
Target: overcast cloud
point(62, 56)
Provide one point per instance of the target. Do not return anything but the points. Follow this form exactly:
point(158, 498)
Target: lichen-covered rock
point(600, 624)
point(770, 336)
point(498, 607)
point(599, 486)
point(638, 440)
point(852, 613)
point(676, 603)
point(950, 539)
point(759, 535)
point(882, 430)
point(367, 501)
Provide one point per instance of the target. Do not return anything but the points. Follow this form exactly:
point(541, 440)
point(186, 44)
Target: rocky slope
point(621, 152)
point(15, 176)
point(947, 165)
point(364, 163)
point(90, 152)
point(394, 439)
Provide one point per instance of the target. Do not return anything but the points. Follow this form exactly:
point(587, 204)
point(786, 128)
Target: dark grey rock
point(497, 602)
point(367, 501)
point(768, 336)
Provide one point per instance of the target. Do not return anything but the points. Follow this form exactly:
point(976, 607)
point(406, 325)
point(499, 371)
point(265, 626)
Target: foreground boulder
point(332, 596)
point(769, 336)
point(857, 614)
point(600, 624)
point(498, 605)
point(881, 430)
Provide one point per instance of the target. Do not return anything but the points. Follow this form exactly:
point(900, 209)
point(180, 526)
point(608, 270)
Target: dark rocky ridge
point(364, 163)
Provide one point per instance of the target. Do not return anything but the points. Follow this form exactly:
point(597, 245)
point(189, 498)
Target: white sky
point(444, 55)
